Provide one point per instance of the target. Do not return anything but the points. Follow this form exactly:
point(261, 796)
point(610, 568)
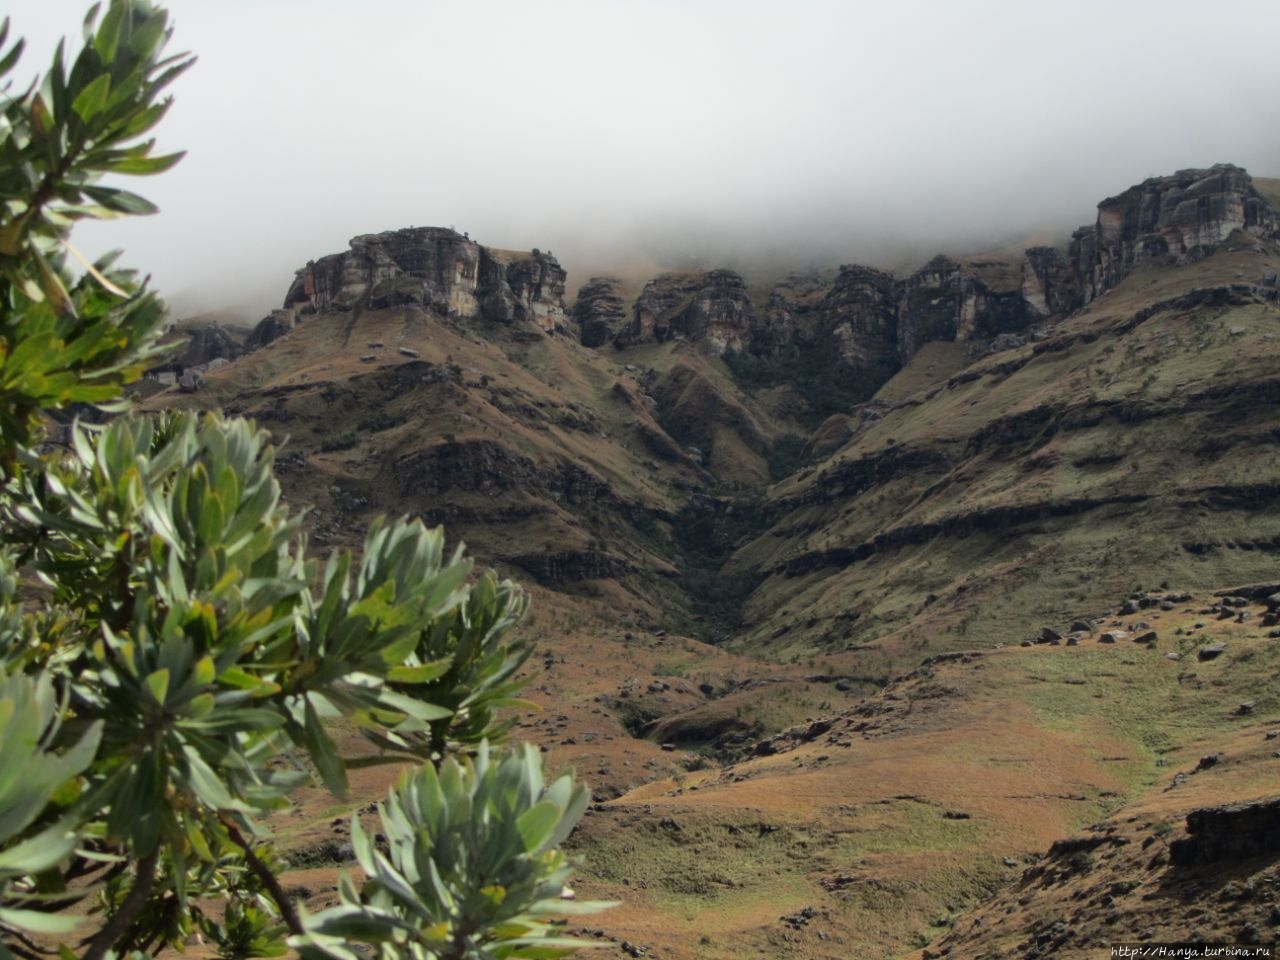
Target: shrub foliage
point(169, 652)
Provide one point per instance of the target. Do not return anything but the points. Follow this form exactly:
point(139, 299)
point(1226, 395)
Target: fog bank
point(818, 132)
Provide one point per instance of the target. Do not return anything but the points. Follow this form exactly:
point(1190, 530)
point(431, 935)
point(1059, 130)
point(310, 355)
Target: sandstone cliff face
point(940, 301)
point(719, 314)
point(432, 267)
point(859, 318)
point(865, 316)
point(1048, 285)
point(522, 289)
point(660, 298)
point(598, 311)
point(944, 300)
point(712, 307)
point(1185, 215)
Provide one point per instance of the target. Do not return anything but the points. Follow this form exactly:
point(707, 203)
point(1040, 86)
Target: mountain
point(859, 594)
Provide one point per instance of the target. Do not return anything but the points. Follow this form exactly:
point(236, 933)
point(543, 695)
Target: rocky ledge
point(434, 268)
point(1185, 215)
point(1229, 833)
point(871, 321)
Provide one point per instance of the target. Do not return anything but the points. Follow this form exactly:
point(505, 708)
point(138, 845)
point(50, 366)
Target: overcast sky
point(833, 130)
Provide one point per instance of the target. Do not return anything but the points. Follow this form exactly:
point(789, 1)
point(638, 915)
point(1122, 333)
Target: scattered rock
point(800, 918)
point(1210, 760)
point(191, 381)
point(1211, 652)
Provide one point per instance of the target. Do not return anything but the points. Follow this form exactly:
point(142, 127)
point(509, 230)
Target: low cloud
point(817, 132)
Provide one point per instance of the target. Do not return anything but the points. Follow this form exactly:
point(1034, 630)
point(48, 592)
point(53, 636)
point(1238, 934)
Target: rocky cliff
point(598, 311)
point(711, 307)
point(1185, 216)
point(434, 268)
point(871, 321)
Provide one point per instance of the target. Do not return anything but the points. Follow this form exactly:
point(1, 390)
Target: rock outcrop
point(865, 315)
point(858, 318)
point(940, 301)
point(712, 307)
point(434, 268)
point(719, 314)
point(1185, 216)
point(1234, 833)
point(945, 300)
point(1048, 285)
point(598, 311)
point(208, 342)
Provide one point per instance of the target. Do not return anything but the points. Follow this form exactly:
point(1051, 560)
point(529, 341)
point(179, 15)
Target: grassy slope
point(1040, 481)
point(908, 808)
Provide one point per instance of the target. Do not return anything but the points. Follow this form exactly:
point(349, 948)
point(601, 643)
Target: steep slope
point(885, 825)
point(1131, 444)
point(423, 373)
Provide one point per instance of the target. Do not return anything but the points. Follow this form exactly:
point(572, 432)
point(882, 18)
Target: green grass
point(705, 862)
point(1269, 188)
point(1131, 694)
